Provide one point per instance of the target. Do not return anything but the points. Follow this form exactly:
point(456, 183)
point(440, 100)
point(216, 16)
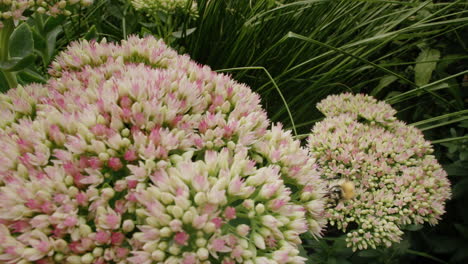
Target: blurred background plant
point(28, 35)
point(413, 54)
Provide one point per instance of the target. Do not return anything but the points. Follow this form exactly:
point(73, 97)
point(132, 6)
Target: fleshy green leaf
point(51, 39)
point(384, 82)
point(17, 64)
point(425, 65)
point(21, 42)
point(91, 34)
point(29, 76)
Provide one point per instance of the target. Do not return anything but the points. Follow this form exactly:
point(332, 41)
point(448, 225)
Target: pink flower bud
point(115, 164)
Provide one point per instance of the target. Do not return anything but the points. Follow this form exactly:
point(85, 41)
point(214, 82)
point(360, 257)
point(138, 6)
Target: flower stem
point(5, 33)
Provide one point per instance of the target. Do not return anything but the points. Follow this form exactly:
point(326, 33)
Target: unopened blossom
point(17, 9)
point(132, 153)
point(168, 7)
point(392, 179)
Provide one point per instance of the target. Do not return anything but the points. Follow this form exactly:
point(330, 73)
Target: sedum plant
point(167, 7)
point(386, 172)
point(132, 153)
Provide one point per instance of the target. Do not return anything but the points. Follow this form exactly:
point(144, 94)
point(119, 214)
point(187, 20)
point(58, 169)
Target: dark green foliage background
point(413, 54)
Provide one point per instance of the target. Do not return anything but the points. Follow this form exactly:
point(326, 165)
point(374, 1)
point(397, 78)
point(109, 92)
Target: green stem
point(5, 33)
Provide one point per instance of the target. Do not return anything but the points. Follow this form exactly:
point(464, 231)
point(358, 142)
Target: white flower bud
point(202, 253)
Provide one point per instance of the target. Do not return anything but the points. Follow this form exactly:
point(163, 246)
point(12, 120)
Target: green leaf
point(384, 82)
point(3, 83)
point(369, 253)
point(91, 34)
point(303, 253)
point(460, 189)
point(17, 64)
point(51, 39)
point(464, 155)
point(53, 22)
point(456, 169)
point(179, 34)
point(29, 76)
point(21, 42)
point(462, 229)
point(425, 65)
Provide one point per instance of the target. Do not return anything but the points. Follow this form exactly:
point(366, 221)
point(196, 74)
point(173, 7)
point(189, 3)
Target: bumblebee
point(342, 190)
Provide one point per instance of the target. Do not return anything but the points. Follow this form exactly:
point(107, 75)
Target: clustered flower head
point(15, 9)
point(132, 153)
point(396, 179)
point(168, 7)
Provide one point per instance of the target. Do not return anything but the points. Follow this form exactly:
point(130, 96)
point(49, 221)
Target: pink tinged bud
point(76, 247)
point(33, 204)
point(58, 232)
point(139, 119)
point(70, 221)
point(175, 225)
point(43, 246)
point(217, 221)
point(121, 252)
point(100, 261)
point(56, 135)
point(132, 197)
point(103, 237)
point(120, 206)
point(237, 252)
point(217, 100)
point(219, 245)
point(117, 238)
point(130, 155)
point(99, 130)
point(242, 230)
point(126, 102)
point(59, 198)
point(81, 199)
point(112, 221)
point(11, 250)
point(270, 242)
point(189, 259)
point(115, 164)
point(95, 163)
point(230, 213)
point(19, 226)
point(200, 221)
point(181, 238)
point(47, 207)
point(277, 204)
point(132, 183)
point(126, 114)
point(203, 126)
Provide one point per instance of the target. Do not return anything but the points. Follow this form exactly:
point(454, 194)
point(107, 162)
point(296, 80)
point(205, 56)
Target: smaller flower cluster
point(396, 180)
point(16, 9)
point(169, 7)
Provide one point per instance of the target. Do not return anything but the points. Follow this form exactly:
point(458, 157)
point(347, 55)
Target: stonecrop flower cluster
point(15, 9)
point(396, 179)
point(168, 7)
point(132, 153)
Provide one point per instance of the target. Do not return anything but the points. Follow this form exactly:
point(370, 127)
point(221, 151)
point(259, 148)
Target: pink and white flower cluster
point(397, 180)
point(15, 9)
point(168, 7)
point(132, 153)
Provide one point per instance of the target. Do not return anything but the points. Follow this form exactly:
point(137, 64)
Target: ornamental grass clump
point(132, 153)
point(385, 169)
